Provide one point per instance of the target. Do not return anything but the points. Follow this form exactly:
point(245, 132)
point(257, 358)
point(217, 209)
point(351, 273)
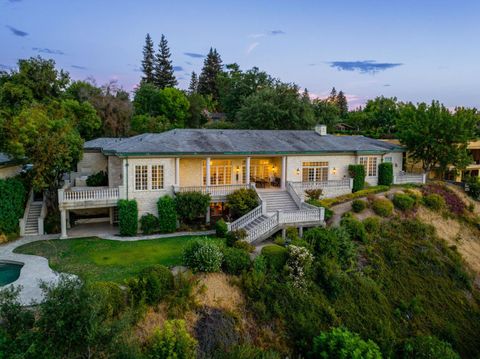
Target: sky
point(415, 50)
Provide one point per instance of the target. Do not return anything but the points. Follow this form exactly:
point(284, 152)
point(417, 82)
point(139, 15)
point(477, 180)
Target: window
point(314, 171)
point(370, 164)
point(220, 172)
point(387, 159)
point(157, 177)
point(141, 178)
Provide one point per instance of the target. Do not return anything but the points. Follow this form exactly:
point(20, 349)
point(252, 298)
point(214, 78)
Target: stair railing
point(250, 216)
point(41, 218)
point(262, 228)
point(22, 222)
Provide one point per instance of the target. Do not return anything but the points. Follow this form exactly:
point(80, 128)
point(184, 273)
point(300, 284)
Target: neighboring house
point(280, 165)
point(8, 166)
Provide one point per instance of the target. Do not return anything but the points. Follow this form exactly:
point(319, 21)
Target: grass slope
point(105, 260)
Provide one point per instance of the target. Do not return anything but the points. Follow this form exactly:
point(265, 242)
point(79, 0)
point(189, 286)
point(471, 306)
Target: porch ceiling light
point(237, 169)
point(298, 171)
point(334, 170)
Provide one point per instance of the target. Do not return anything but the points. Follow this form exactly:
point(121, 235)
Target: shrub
point(327, 202)
point(355, 228)
point(128, 217)
point(434, 201)
point(12, 204)
point(372, 225)
point(151, 286)
point(221, 228)
point(298, 265)
point(203, 255)
point(98, 179)
point(111, 296)
point(191, 205)
point(235, 260)
point(247, 351)
point(415, 194)
point(167, 215)
point(383, 207)
point(242, 201)
point(340, 343)
point(183, 298)
point(148, 223)
point(52, 222)
point(385, 174)
point(279, 241)
point(244, 245)
point(358, 205)
point(473, 187)
point(426, 347)
point(314, 193)
point(403, 201)
point(172, 341)
point(454, 203)
point(275, 256)
point(291, 233)
point(357, 172)
point(236, 235)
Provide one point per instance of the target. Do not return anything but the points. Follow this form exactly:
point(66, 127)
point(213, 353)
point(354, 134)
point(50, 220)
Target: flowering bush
point(298, 263)
point(454, 203)
point(203, 255)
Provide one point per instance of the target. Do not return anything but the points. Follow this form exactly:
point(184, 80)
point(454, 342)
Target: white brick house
point(148, 166)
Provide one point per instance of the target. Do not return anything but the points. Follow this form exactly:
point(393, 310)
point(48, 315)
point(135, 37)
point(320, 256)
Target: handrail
point(262, 228)
point(23, 221)
point(245, 219)
point(42, 216)
point(294, 194)
point(409, 178)
point(345, 182)
point(80, 195)
point(215, 190)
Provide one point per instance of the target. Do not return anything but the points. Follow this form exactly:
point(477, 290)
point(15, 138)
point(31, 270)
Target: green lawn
point(105, 260)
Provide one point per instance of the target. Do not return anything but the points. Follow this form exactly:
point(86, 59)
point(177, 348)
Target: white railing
point(247, 218)
point(402, 178)
point(330, 188)
point(81, 194)
point(299, 216)
point(22, 222)
point(262, 228)
point(299, 199)
point(214, 191)
point(41, 217)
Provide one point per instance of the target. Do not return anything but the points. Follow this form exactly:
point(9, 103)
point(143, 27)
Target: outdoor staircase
point(278, 201)
point(31, 225)
point(250, 225)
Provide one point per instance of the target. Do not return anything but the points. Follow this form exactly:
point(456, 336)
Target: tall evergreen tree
point(193, 87)
point(342, 104)
point(333, 95)
point(163, 76)
point(148, 60)
point(212, 67)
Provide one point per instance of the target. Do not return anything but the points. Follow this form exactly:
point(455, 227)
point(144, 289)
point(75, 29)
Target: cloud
point(178, 68)
point(14, 1)
point(269, 33)
point(194, 55)
point(387, 85)
point(46, 50)
point(312, 64)
point(276, 32)
point(364, 67)
point(252, 47)
point(78, 67)
point(16, 31)
point(188, 63)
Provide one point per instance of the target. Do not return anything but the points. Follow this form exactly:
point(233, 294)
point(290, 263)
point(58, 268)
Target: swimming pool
point(9, 272)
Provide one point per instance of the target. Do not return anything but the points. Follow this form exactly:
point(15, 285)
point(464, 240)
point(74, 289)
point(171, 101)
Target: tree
point(326, 113)
point(435, 136)
point(342, 104)
point(382, 114)
point(212, 67)
point(82, 91)
point(196, 112)
point(333, 95)
point(193, 86)
point(279, 108)
point(163, 76)
point(85, 118)
point(148, 60)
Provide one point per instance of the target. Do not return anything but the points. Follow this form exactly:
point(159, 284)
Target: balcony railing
point(214, 191)
point(403, 178)
point(82, 194)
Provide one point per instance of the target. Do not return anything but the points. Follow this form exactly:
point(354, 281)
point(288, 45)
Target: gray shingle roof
point(184, 141)
point(5, 159)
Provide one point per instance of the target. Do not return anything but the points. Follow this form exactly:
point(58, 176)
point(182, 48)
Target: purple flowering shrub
point(453, 201)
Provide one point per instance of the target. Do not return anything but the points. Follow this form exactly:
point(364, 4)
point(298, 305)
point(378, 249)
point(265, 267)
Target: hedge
point(327, 202)
point(191, 205)
point(167, 214)
point(357, 172)
point(358, 205)
point(385, 174)
point(275, 256)
point(12, 203)
point(148, 223)
point(235, 260)
point(383, 207)
point(128, 217)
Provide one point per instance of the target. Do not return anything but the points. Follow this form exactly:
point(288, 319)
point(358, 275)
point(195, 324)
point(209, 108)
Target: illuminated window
point(157, 177)
point(220, 172)
point(141, 178)
point(314, 171)
point(370, 165)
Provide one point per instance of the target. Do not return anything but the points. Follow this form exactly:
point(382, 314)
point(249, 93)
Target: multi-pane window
point(141, 178)
point(314, 171)
point(220, 172)
point(370, 164)
point(387, 159)
point(157, 177)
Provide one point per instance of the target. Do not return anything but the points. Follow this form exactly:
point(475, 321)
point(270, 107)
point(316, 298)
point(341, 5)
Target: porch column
point(177, 171)
point(207, 172)
point(63, 222)
point(247, 170)
point(284, 171)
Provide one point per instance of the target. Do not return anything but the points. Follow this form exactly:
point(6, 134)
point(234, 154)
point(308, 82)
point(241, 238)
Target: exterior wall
point(190, 172)
point(339, 162)
point(115, 171)
point(92, 162)
point(10, 171)
point(147, 200)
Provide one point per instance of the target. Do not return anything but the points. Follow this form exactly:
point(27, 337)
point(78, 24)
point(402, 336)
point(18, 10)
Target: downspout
point(126, 174)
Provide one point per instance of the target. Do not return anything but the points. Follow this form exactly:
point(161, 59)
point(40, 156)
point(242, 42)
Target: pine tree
point(148, 60)
point(164, 76)
point(333, 95)
point(342, 104)
point(207, 82)
point(193, 87)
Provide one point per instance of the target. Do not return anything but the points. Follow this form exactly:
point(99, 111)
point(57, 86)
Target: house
point(279, 165)
point(9, 167)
